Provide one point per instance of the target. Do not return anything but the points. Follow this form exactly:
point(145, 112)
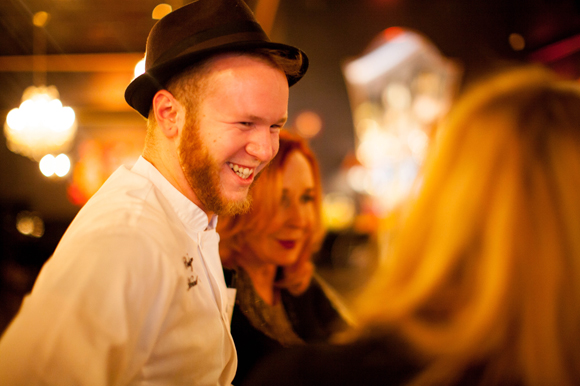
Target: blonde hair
point(486, 267)
point(266, 193)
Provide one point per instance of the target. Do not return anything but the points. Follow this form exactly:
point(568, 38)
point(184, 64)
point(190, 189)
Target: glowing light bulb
point(47, 165)
point(14, 120)
point(62, 165)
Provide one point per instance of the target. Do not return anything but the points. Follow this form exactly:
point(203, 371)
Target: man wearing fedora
point(134, 293)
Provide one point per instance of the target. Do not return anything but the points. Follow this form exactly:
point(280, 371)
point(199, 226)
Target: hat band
point(228, 33)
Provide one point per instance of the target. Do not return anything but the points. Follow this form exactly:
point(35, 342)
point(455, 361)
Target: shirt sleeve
point(92, 316)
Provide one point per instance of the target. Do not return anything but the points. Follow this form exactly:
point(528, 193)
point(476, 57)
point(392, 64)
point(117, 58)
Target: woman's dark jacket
point(312, 316)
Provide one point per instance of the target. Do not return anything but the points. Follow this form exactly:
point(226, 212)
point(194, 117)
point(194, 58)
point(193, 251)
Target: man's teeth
point(240, 171)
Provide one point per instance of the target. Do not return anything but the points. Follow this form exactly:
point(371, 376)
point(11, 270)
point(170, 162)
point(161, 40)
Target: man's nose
point(263, 145)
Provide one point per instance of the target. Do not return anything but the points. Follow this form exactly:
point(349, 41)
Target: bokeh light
point(338, 211)
point(308, 124)
point(160, 11)
point(517, 42)
point(398, 91)
point(50, 165)
point(30, 224)
point(41, 125)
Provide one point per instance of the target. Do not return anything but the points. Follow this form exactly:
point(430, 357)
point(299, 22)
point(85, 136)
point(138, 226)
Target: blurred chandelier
point(41, 125)
point(399, 89)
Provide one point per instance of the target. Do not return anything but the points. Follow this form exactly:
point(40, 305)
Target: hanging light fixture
point(41, 125)
point(399, 89)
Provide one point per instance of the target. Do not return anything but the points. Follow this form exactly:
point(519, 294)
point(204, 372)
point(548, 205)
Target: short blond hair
point(486, 266)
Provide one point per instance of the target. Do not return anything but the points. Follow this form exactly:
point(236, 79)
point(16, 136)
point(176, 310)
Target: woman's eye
point(307, 198)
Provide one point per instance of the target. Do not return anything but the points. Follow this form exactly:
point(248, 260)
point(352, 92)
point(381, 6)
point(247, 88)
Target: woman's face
point(291, 226)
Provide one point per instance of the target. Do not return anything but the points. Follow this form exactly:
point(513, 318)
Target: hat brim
point(140, 92)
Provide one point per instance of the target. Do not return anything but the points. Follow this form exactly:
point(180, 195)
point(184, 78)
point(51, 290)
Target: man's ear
point(169, 113)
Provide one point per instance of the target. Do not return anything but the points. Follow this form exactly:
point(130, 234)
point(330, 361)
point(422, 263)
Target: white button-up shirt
point(133, 295)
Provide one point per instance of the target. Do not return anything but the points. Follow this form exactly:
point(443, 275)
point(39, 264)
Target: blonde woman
point(482, 285)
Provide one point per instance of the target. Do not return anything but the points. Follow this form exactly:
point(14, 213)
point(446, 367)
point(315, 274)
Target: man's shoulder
point(129, 204)
point(127, 193)
point(123, 184)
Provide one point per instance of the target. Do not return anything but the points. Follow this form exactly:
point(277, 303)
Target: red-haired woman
point(280, 302)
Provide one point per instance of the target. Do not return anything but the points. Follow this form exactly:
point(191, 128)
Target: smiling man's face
point(234, 131)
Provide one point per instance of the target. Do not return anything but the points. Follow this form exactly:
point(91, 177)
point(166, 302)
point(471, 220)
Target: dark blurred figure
point(482, 284)
point(26, 242)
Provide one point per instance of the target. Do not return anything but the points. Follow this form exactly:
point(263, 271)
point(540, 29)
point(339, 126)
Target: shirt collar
point(190, 214)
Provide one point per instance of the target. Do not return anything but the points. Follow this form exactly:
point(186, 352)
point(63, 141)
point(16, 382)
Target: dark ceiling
point(93, 45)
point(77, 26)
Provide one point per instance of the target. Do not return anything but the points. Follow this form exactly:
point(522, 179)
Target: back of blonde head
point(486, 267)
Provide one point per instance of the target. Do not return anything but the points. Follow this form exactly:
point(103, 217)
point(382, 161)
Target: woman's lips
point(287, 244)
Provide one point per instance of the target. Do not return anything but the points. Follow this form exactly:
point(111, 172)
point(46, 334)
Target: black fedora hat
point(195, 32)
